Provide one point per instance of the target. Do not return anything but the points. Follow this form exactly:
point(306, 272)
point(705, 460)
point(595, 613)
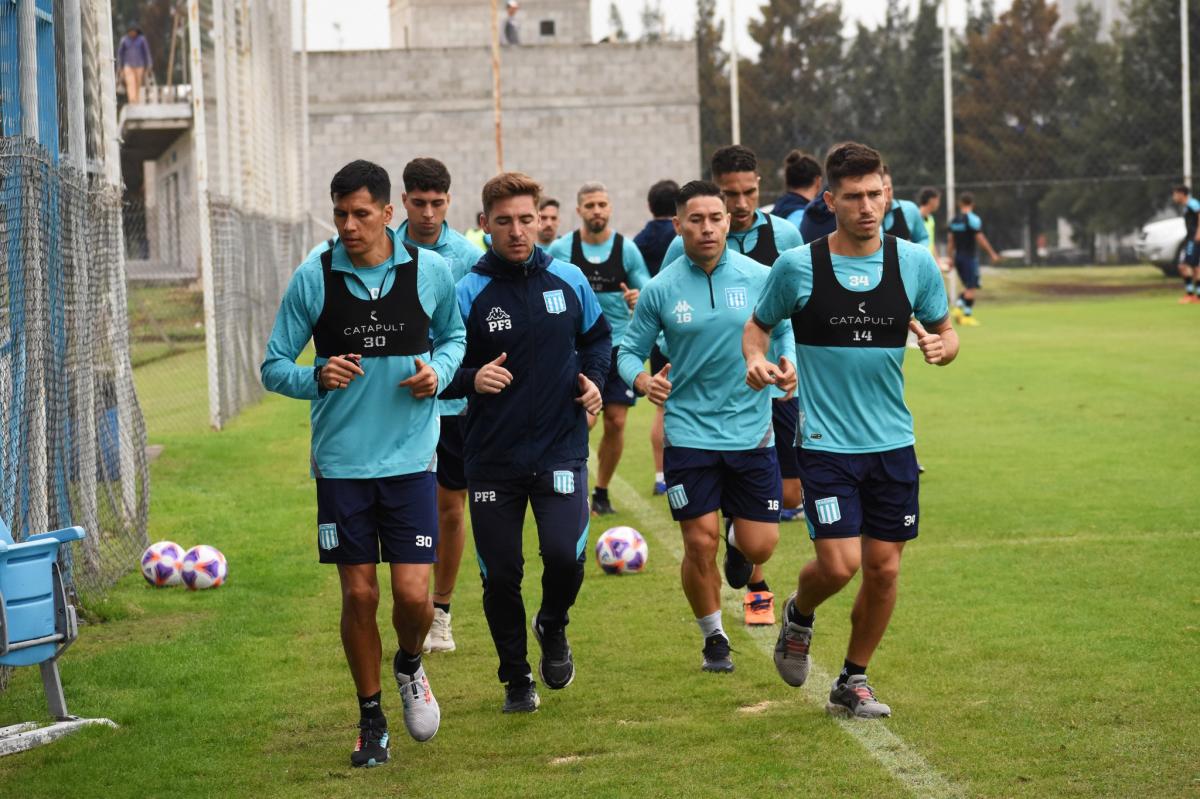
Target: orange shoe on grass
point(760, 608)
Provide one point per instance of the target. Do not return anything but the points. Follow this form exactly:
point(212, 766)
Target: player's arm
point(935, 335)
point(773, 308)
point(783, 342)
point(987, 245)
point(920, 233)
point(298, 312)
point(640, 335)
point(446, 327)
point(939, 344)
point(463, 382)
point(636, 272)
point(593, 342)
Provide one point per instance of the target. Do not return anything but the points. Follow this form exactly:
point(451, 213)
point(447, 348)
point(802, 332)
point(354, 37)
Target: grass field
point(1044, 645)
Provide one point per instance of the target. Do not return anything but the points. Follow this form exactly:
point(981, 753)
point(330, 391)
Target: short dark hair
point(1183, 189)
point(966, 198)
point(851, 160)
point(695, 188)
point(362, 174)
point(734, 158)
point(661, 198)
point(510, 184)
point(426, 174)
point(928, 193)
point(547, 202)
point(800, 169)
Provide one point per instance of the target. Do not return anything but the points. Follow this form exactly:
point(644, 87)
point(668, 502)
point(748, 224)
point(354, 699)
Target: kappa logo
point(683, 312)
point(555, 301)
point(327, 537)
point(497, 319)
point(828, 510)
point(677, 497)
point(564, 482)
point(736, 297)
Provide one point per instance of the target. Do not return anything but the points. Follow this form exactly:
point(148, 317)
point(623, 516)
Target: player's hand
point(631, 296)
point(787, 378)
point(761, 373)
point(659, 386)
point(340, 370)
point(931, 344)
point(492, 378)
point(589, 396)
point(424, 381)
point(945, 265)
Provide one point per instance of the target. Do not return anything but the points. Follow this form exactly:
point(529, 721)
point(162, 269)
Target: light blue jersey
point(745, 241)
point(701, 317)
point(912, 217)
point(851, 399)
point(373, 428)
point(796, 217)
point(611, 302)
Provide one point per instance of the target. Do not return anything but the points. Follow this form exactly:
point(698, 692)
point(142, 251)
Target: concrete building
point(573, 111)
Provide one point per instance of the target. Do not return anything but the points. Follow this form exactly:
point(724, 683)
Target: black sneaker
point(372, 746)
point(737, 568)
point(520, 696)
point(557, 667)
point(716, 654)
point(602, 507)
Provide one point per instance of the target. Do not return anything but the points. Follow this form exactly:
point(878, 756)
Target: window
point(546, 27)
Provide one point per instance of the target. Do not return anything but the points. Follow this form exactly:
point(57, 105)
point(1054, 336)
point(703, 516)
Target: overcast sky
point(362, 24)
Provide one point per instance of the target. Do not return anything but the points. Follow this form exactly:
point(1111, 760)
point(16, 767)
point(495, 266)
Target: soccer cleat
point(659, 488)
point(440, 637)
point(957, 314)
point(737, 568)
point(855, 699)
point(791, 514)
point(602, 507)
point(760, 608)
point(557, 668)
point(1189, 299)
point(371, 749)
point(422, 716)
point(716, 654)
point(521, 696)
point(969, 321)
point(791, 648)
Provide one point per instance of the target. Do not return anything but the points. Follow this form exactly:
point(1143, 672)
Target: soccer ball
point(204, 567)
point(621, 550)
point(162, 563)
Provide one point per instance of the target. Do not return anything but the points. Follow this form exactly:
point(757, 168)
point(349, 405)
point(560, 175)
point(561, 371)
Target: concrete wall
point(468, 23)
point(624, 114)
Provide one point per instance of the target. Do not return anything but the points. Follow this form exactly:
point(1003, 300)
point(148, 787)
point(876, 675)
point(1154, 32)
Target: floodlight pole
point(948, 112)
point(496, 85)
point(735, 111)
point(1185, 66)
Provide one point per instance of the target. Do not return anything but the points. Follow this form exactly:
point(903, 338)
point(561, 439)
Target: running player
point(903, 219)
point(966, 231)
point(652, 241)
point(850, 298)
point(538, 350)
point(370, 305)
point(762, 238)
point(615, 269)
point(1189, 264)
point(719, 454)
point(547, 221)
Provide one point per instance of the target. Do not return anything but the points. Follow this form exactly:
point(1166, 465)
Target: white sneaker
point(440, 637)
point(422, 716)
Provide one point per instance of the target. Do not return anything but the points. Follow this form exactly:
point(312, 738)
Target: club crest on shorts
point(828, 511)
point(327, 537)
point(736, 297)
point(564, 482)
point(555, 302)
point(677, 497)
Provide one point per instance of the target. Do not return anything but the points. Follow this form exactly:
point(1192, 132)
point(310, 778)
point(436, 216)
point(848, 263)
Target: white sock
point(711, 624)
point(659, 478)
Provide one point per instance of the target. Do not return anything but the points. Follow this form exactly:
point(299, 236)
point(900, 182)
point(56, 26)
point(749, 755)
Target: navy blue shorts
point(390, 519)
point(873, 494)
point(450, 473)
point(1191, 253)
point(785, 415)
point(617, 391)
point(967, 267)
point(743, 484)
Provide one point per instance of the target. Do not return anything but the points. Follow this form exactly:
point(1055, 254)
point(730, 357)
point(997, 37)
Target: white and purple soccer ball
point(162, 564)
point(621, 550)
point(204, 567)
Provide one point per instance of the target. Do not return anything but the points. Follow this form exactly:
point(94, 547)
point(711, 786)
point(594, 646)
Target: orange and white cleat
point(760, 608)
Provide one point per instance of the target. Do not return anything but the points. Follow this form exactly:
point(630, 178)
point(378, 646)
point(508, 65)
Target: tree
point(712, 80)
point(616, 25)
point(654, 22)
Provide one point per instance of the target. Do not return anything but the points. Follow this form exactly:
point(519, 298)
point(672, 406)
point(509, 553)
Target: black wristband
point(317, 375)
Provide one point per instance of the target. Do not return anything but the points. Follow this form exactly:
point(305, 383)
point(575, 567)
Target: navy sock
point(443, 606)
point(405, 663)
point(796, 617)
point(760, 586)
point(369, 707)
point(849, 670)
point(600, 493)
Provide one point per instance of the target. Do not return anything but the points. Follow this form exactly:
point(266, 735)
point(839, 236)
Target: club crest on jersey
point(828, 511)
point(564, 482)
point(327, 537)
point(497, 319)
point(736, 297)
point(555, 302)
point(677, 497)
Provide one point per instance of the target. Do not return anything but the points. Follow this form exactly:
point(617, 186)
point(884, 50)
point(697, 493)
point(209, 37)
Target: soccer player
point(802, 174)
point(426, 200)
point(547, 221)
point(966, 231)
point(903, 219)
point(653, 241)
point(1189, 266)
point(850, 298)
point(762, 238)
point(538, 350)
point(929, 201)
point(719, 455)
point(614, 267)
point(371, 304)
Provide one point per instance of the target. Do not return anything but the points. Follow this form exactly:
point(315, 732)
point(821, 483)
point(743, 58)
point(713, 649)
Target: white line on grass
point(906, 765)
point(1065, 538)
